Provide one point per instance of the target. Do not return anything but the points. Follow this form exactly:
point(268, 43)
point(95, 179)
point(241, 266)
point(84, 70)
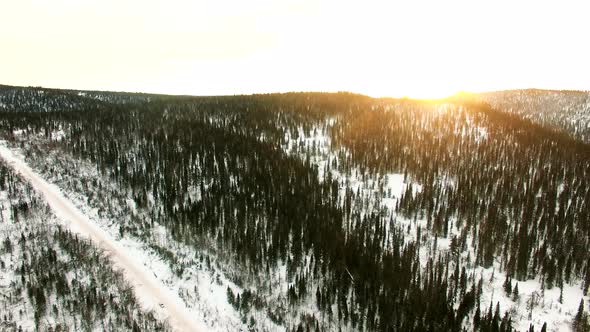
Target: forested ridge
point(245, 175)
point(563, 110)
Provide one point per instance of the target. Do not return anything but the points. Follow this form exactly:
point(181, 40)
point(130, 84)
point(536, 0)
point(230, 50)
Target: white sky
point(381, 48)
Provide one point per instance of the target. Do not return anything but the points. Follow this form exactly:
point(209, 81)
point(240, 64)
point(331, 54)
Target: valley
point(317, 211)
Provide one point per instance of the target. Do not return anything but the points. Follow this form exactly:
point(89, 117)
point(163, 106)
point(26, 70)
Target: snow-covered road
point(150, 292)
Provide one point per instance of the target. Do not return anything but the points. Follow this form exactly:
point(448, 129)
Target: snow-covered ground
point(205, 292)
point(380, 192)
point(148, 289)
point(195, 273)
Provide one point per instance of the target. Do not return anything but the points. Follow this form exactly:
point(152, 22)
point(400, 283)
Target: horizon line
point(401, 96)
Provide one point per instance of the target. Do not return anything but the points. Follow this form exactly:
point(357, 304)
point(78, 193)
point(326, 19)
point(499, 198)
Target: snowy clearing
point(149, 291)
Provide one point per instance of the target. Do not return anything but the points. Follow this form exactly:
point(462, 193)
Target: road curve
point(150, 292)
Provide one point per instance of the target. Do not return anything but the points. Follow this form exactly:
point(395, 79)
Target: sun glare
point(413, 89)
point(418, 49)
point(429, 93)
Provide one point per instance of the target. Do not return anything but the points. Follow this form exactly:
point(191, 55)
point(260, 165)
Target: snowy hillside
point(564, 110)
point(18, 99)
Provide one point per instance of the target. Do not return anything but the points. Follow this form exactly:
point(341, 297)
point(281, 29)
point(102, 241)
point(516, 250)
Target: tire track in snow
point(148, 290)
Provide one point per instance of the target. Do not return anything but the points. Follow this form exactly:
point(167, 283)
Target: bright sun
point(430, 93)
point(418, 89)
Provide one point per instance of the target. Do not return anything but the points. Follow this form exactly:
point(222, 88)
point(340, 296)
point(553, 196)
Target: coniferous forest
point(329, 211)
point(52, 280)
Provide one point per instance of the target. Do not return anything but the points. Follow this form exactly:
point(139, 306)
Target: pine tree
point(476, 318)
point(508, 286)
point(515, 295)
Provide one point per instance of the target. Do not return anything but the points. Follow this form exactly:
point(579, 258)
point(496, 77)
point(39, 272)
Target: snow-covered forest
point(307, 211)
point(52, 280)
point(565, 110)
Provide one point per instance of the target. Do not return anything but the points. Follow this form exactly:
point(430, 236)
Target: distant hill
point(38, 99)
point(564, 110)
